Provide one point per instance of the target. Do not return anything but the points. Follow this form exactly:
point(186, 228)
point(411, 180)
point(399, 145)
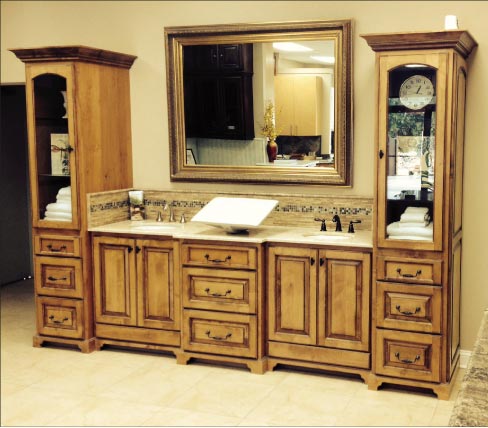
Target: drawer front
point(220, 256)
point(60, 277)
point(409, 307)
point(218, 333)
point(219, 289)
point(53, 245)
point(397, 269)
point(60, 317)
point(408, 355)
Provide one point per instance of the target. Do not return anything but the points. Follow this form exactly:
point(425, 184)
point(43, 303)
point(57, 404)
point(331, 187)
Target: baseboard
point(464, 357)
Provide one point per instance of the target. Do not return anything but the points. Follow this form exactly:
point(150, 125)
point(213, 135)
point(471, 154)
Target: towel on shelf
point(65, 191)
point(423, 223)
point(394, 229)
point(58, 207)
point(58, 216)
point(412, 237)
point(64, 199)
point(423, 210)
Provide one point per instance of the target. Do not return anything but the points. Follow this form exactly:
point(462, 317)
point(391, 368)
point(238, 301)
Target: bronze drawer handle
point(217, 260)
point(408, 313)
point(56, 250)
point(408, 275)
point(218, 337)
point(207, 290)
point(397, 355)
point(52, 278)
point(57, 321)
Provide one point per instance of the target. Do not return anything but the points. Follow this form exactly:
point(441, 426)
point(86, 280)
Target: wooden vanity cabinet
point(136, 291)
point(421, 90)
point(222, 296)
point(78, 124)
point(318, 307)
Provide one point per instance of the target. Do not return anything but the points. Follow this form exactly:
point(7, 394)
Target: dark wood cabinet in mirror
point(220, 80)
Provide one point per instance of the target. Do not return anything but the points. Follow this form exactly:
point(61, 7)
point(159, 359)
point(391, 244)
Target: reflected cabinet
point(78, 118)
point(421, 88)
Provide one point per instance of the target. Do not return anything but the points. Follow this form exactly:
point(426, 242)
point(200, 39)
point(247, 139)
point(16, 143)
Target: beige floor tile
point(442, 413)
point(100, 411)
point(230, 398)
point(179, 417)
point(34, 406)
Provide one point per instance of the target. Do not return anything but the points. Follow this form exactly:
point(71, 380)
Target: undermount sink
point(330, 236)
point(154, 227)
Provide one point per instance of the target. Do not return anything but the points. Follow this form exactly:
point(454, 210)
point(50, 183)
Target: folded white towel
point(423, 223)
point(394, 230)
point(58, 216)
point(412, 237)
point(423, 210)
point(414, 217)
point(63, 199)
point(64, 191)
point(58, 207)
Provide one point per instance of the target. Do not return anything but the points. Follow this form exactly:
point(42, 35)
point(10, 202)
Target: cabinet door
point(285, 116)
point(52, 146)
point(292, 283)
point(157, 285)
point(114, 266)
point(411, 137)
point(343, 301)
point(307, 106)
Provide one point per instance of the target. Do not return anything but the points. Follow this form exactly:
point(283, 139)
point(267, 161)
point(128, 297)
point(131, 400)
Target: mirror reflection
point(260, 102)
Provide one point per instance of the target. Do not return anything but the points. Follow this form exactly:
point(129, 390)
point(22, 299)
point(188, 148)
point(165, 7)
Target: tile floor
point(63, 387)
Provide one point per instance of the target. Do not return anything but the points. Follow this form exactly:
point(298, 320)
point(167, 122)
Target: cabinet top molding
point(74, 53)
point(459, 40)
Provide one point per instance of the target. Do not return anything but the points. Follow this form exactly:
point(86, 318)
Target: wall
point(136, 27)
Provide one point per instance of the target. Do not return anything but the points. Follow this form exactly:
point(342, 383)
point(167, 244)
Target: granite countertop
point(471, 406)
point(295, 235)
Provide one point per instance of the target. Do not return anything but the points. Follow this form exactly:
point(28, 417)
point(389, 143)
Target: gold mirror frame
point(338, 31)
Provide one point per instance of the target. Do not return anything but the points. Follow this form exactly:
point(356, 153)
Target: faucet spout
point(337, 220)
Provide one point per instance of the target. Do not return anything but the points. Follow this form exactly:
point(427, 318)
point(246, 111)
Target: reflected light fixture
point(290, 47)
point(324, 59)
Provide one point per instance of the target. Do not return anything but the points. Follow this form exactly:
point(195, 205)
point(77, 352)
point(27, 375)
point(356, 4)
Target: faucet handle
point(159, 217)
point(182, 218)
point(323, 227)
point(351, 225)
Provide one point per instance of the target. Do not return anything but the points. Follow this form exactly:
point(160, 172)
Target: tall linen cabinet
point(421, 89)
point(79, 133)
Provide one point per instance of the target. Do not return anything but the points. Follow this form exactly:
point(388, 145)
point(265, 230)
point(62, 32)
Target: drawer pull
point(56, 250)
point(408, 275)
point(408, 313)
point(207, 290)
point(57, 321)
point(52, 278)
point(217, 260)
point(218, 337)
point(397, 355)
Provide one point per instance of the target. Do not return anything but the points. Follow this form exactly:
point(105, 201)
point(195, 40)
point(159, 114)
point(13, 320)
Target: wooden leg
point(182, 358)
point(88, 346)
point(373, 382)
point(37, 342)
point(258, 367)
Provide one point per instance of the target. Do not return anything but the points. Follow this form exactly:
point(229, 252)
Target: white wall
point(136, 27)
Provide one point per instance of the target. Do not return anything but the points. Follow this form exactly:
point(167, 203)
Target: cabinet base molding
point(100, 343)
point(259, 366)
point(85, 346)
point(273, 362)
point(318, 355)
point(442, 390)
point(138, 336)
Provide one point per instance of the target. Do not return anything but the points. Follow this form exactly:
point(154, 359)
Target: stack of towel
point(414, 224)
point(61, 209)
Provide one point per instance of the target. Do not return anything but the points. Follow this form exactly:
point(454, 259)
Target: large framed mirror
point(226, 82)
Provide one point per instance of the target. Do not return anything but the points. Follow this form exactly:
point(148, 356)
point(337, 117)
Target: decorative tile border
point(107, 207)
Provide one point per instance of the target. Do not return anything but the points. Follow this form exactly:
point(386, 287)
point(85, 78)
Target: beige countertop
point(190, 230)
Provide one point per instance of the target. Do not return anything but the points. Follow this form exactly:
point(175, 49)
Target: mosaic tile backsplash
point(110, 207)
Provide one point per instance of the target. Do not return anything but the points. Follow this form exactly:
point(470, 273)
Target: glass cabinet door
point(52, 151)
point(411, 172)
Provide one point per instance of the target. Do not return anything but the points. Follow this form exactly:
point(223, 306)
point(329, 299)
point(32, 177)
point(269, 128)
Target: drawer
point(59, 277)
point(219, 289)
point(401, 269)
point(220, 333)
point(55, 245)
point(409, 307)
point(408, 355)
point(60, 317)
point(219, 255)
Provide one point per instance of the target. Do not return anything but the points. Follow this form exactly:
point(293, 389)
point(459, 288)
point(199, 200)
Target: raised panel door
point(292, 284)
point(157, 286)
point(343, 300)
point(114, 266)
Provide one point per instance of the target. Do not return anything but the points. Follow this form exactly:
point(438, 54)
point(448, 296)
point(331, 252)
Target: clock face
point(416, 92)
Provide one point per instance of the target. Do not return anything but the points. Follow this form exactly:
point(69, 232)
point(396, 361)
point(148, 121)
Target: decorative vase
point(272, 150)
